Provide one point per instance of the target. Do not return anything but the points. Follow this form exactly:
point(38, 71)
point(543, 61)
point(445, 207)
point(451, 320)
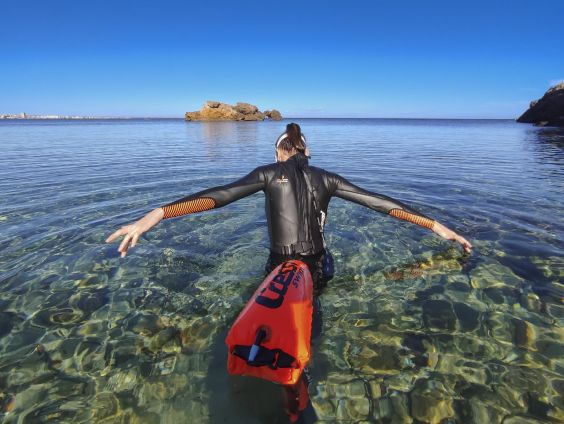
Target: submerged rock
point(372, 360)
point(439, 314)
point(6, 322)
point(468, 318)
point(494, 274)
point(217, 111)
point(429, 403)
point(548, 110)
point(524, 335)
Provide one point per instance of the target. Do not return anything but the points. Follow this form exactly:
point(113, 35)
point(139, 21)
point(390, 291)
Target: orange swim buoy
point(270, 338)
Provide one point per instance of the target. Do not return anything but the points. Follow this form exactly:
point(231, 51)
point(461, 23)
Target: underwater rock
point(375, 388)
point(354, 389)
point(161, 389)
point(524, 334)
point(104, 405)
point(521, 420)
point(324, 409)
point(144, 324)
point(92, 281)
point(495, 295)
point(376, 360)
point(392, 409)
point(402, 382)
point(119, 355)
point(460, 286)
point(91, 328)
point(557, 313)
point(483, 413)
point(400, 403)
point(428, 292)
point(58, 410)
point(468, 318)
point(197, 334)
point(472, 375)
point(162, 338)
point(122, 381)
point(537, 407)
point(493, 275)
point(65, 317)
point(430, 406)
point(439, 314)
point(550, 348)
point(7, 320)
point(417, 342)
point(383, 409)
point(90, 301)
point(499, 327)
point(164, 367)
point(532, 302)
point(352, 409)
point(7, 403)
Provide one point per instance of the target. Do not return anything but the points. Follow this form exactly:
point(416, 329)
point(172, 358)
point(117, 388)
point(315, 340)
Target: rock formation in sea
point(273, 114)
point(548, 110)
point(217, 111)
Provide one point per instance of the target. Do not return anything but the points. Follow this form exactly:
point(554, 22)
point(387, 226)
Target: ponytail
point(292, 139)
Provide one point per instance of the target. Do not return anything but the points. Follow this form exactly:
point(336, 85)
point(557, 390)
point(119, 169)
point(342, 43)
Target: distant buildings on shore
point(24, 115)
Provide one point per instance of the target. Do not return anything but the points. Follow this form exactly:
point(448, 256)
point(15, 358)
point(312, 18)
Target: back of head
point(292, 141)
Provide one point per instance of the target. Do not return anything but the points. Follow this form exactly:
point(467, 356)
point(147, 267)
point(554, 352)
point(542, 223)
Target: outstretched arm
point(384, 204)
point(204, 200)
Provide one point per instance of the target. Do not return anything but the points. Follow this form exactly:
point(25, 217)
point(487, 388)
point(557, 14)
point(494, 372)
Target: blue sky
point(374, 58)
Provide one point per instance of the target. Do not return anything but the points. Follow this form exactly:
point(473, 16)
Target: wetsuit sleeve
point(216, 197)
point(346, 190)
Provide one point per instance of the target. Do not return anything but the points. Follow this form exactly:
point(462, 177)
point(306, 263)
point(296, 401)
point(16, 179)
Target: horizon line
point(85, 117)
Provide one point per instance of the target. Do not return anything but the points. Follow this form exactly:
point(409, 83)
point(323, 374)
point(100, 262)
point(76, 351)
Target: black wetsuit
point(292, 220)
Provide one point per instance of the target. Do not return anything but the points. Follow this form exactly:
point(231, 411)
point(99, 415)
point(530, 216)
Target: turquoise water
point(413, 331)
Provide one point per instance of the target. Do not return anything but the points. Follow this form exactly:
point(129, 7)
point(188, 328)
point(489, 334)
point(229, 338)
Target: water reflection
point(547, 145)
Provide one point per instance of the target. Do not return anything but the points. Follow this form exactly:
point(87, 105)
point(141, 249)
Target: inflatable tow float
point(270, 338)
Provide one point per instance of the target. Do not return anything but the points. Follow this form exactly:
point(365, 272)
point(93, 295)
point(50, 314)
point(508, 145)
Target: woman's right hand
point(133, 231)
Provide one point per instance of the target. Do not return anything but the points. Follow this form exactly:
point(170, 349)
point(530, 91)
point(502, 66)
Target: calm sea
point(413, 331)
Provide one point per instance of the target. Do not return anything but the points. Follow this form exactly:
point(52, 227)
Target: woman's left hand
point(448, 234)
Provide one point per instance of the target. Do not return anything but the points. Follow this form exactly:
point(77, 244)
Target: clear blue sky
point(483, 59)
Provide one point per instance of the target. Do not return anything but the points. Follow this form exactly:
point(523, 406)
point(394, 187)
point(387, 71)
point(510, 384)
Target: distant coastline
point(62, 117)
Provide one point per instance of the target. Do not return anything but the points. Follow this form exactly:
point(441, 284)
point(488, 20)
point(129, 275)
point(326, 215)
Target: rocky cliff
point(217, 111)
point(548, 110)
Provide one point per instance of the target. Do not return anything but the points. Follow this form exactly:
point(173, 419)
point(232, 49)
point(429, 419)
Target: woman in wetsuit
point(293, 224)
point(297, 198)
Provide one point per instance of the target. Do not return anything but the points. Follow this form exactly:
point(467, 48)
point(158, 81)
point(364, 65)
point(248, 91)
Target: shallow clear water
point(413, 331)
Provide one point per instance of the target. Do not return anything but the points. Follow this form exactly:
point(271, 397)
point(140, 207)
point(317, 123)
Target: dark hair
point(293, 139)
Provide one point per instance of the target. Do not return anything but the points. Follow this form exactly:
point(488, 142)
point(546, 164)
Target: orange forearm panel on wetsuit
point(188, 206)
point(411, 217)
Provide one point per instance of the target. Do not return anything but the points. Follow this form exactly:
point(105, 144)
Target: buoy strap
point(272, 358)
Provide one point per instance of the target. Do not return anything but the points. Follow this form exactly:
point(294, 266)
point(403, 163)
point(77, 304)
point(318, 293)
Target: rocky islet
point(217, 111)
